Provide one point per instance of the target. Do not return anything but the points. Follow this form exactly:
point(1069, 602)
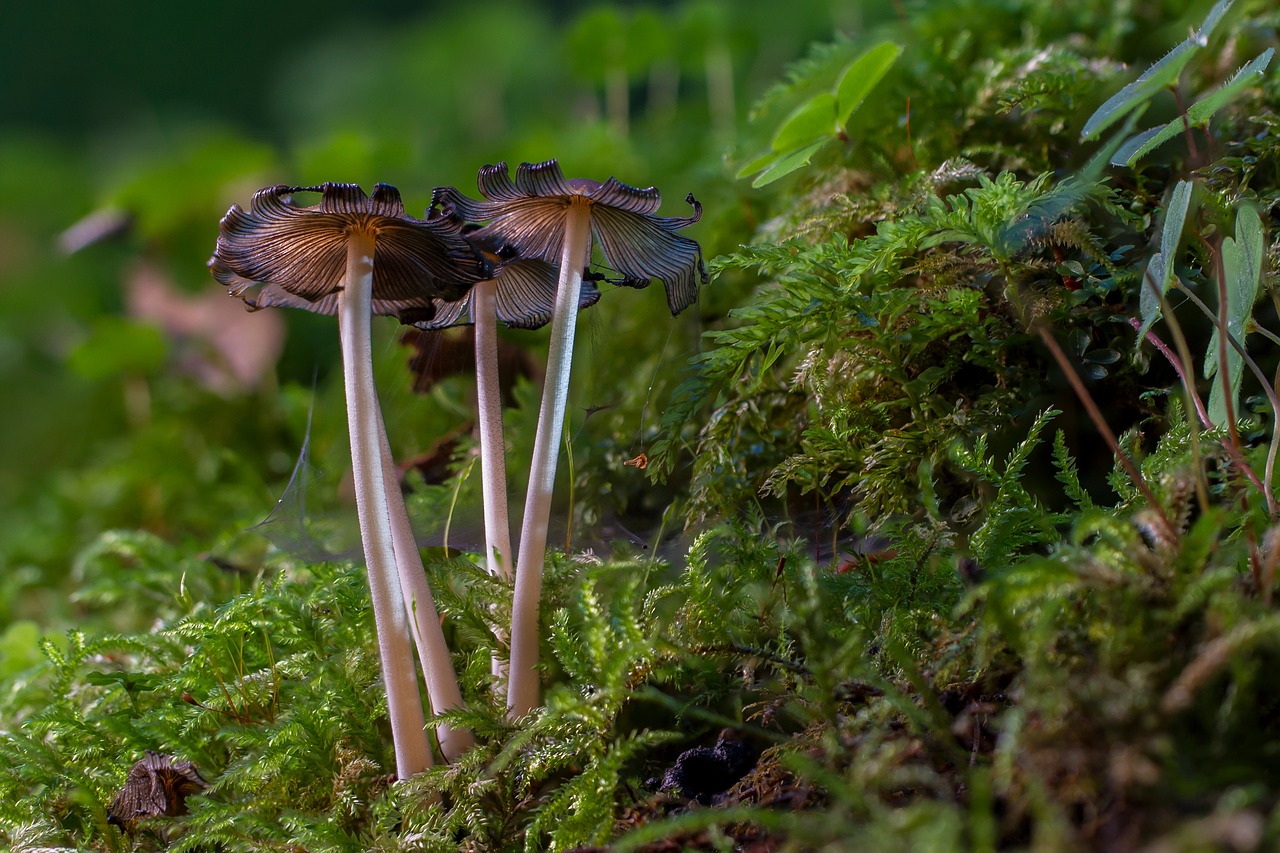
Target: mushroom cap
point(156, 785)
point(255, 295)
point(299, 254)
point(526, 296)
point(529, 213)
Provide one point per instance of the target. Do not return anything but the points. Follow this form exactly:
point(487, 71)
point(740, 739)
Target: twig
point(1186, 362)
point(1100, 423)
point(1160, 345)
point(1186, 126)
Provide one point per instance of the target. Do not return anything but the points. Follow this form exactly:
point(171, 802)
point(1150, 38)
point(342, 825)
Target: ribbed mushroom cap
point(529, 214)
point(525, 288)
point(526, 295)
point(298, 254)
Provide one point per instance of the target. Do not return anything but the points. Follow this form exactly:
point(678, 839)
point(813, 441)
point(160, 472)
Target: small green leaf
point(1154, 281)
point(1175, 218)
point(1160, 268)
point(758, 164)
point(130, 681)
point(1249, 235)
point(1241, 271)
point(818, 120)
point(1161, 75)
point(861, 77)
point(813, 120)
point(1124, 154)
point(1199, 113)
point(788, 163)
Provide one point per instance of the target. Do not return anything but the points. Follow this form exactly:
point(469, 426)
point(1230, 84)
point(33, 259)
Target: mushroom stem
point(364, 420)
point(493, 466)
point(522, 690)
point(497, 529)
point(424, 620)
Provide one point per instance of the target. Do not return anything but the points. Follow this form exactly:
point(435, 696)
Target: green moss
point(880, 538)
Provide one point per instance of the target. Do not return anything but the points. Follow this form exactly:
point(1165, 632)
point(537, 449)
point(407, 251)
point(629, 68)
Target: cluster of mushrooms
point(521, 257)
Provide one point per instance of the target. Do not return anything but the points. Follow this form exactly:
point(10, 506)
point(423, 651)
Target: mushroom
point(355, 255)
point(520, 295)
point(544, 216)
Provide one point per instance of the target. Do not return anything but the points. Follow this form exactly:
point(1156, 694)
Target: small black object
point(703, 772)
point(970, 571)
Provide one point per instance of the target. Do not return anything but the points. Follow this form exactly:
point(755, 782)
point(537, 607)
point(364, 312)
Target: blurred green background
point(137, 396)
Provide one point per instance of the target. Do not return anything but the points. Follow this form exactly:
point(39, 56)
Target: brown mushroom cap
point(526, 294)
point(525, 288)
point(298, 254)
point(156, 785)
point(529, 213)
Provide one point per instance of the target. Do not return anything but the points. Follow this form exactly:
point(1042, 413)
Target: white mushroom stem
point(522, 690)
point(493, 465)
point(364, 420)
point(424, 620)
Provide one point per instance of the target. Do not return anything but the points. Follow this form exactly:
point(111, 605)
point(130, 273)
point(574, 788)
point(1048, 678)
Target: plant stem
point(404, 705)
point(1272, 395)
point(1100, 424)
point(1220, 320)
point(424, 620)
point(1187, 384)
point(522, 690)
point(493, 466)
point(1193, 400)
point(1190, 391)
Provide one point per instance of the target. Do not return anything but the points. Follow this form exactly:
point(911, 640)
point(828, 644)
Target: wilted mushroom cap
point(529, 214)
point(299, 254)
point(156, 785)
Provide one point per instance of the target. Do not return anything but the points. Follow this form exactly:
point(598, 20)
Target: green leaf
point(129, 681)
point(1068, 474)
point(117, 346)
point(1160, 268)
point(861, 77)
point(1175, 218)
point(760, 163)
point(1241, 271)
point(819, 119)
point(1155, 283)
point(1162, 74)
point(1126, 151)
point(1198, 115)
point(788, 163)
point(813, 120)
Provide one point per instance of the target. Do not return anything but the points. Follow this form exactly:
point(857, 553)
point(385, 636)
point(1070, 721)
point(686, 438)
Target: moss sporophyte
point(355, 255)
